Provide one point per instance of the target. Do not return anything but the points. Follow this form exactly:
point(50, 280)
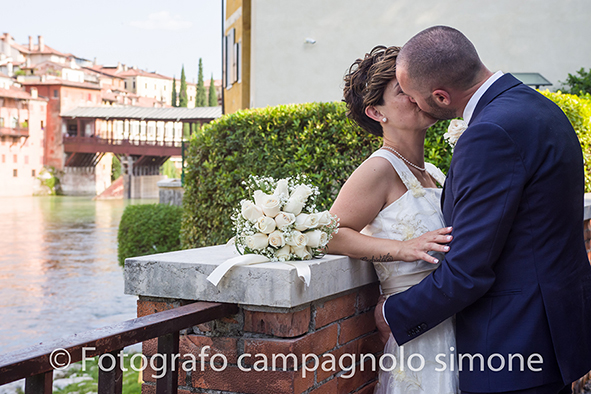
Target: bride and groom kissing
point(511, 298)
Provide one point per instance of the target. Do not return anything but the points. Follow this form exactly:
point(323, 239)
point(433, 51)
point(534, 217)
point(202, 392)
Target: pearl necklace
point(422, 169)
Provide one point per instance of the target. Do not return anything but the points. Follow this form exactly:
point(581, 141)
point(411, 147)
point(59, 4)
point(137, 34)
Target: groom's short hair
point(439, 57)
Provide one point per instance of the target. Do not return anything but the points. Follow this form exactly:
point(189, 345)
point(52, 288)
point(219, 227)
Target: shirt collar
point(471, 106)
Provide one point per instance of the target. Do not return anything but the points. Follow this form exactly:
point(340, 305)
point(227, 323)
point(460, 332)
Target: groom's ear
point(373, 113)
point(441, 97)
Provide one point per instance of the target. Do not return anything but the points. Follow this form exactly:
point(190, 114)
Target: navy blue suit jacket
point(517, 276)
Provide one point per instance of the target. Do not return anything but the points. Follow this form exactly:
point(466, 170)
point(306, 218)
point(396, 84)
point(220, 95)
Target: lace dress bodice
point(415, 213)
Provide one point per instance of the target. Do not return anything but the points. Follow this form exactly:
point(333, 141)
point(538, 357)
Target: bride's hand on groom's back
point(417, 248)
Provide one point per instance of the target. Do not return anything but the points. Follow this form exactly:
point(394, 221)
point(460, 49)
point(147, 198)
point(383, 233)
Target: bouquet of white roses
point(281, 221)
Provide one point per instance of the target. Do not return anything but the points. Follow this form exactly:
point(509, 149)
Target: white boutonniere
point(454, 131)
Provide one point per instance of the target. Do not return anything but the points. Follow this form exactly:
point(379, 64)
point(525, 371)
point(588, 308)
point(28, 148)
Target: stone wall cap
point(172, 182)
point(182, 275)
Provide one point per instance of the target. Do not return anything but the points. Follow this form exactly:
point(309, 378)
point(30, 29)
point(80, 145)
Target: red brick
point(350, 348)
point(369, 389)
point(151, 389)
point(335, 309)
point(255, 382)
point(359, 379)
point(150, 347)
point(329, 387)
point(148, 388)
point(317, 343)
point(356, 326)
point(285, 325)
point(145, 308)
point(368, 297)
point(148, 372)
point(218, 345)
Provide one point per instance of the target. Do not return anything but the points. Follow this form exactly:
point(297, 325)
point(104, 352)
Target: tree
point(174, 98)
point(578, 84)
point(213, 97)
point(183, 99)
point(200, 100)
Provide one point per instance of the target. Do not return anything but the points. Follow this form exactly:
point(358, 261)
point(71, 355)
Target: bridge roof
point(174, 114)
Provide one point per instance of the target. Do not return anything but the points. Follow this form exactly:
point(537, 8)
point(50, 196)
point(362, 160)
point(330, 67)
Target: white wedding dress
point(415, 213)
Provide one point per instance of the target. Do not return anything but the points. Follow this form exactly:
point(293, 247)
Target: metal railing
point(120, 141)
point(15, 131)
point(36, 363)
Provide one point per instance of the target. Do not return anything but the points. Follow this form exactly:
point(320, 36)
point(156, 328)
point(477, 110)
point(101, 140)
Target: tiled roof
point(63, 82)
point(108, 71)
point(145, 113)
point(46, 50)
point(132, 72)
point(16, 93)
point(216, 82)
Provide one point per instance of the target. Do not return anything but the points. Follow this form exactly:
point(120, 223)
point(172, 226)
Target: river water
point(59, 273)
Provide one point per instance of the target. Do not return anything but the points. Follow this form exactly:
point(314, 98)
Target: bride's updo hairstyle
point(365, 83)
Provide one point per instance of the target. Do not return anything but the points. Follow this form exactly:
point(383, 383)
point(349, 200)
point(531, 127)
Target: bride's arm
point(364, 195)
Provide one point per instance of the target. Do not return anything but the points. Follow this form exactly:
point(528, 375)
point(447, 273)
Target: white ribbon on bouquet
point(302, 269)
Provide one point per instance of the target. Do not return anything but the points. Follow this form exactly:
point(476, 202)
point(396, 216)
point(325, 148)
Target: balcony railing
point(16, 131)
point(120, 141)
point(36, 364)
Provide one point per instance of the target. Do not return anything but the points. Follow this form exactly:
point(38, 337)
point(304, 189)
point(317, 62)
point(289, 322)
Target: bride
point(390, 215)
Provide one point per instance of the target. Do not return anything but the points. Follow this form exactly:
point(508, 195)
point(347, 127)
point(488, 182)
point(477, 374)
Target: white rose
point(297, 199)
point(281, 188)
point(294, 206)
point(260, 198)
point(265, 225)
point(324, 218)
point(276, 239)
point(283, 253)
point(316, 239)
point(306, 221)
point(297, 239)
point(301, 192)
point(284, 219)
point(301, 252)
point(271, 206)
point(257, 241)
point(250, 211)
point(454, 131)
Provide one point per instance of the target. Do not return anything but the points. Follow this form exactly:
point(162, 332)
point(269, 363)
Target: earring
point(384, 120)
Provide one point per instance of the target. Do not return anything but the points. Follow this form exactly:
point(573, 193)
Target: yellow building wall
point(238, 95)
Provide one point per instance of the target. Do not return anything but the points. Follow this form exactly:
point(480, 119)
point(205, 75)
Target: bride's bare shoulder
point(376, 169)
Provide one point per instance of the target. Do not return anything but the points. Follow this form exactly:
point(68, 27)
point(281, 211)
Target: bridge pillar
point(89, 175)
point(141, 176)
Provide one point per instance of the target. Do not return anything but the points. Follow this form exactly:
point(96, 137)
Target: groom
point(517, 276)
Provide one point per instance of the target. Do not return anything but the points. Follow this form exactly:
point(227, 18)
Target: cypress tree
point(173, 98)
point(183, 99)
point(200, 100)
point(213, 97)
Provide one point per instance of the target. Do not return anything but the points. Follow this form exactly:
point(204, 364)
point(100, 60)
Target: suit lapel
point(507, 81)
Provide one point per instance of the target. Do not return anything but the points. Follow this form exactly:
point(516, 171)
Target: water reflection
point(58, 268)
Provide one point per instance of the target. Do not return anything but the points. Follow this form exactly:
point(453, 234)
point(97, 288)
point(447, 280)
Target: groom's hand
point(383, 328)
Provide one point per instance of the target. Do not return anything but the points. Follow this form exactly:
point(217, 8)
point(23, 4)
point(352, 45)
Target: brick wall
point(337, 325)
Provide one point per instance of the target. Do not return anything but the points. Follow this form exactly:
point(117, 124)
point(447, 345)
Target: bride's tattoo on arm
point(379, 259)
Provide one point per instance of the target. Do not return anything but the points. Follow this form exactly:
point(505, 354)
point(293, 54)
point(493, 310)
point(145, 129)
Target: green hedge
point(148, 229)
point(315, 139)
point(578, 111)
